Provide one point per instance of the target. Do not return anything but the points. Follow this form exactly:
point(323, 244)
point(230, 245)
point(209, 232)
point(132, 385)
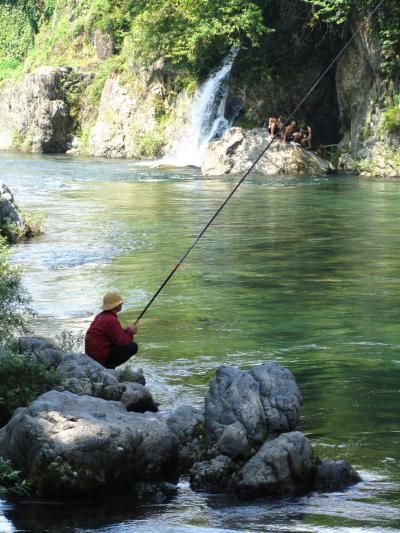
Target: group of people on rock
point(291, 132)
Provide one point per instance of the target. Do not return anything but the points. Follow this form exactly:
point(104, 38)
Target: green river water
point(303, 271)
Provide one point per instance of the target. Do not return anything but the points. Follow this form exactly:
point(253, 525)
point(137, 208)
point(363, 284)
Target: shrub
point(70, 341)
point(14, 300)
point(10, 480)
point(391, 117)
point(22, 380)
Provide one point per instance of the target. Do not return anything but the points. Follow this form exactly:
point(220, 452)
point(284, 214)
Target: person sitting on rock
point(274, 124)
point(106, 340)
point(290, 131)
point(306, 136)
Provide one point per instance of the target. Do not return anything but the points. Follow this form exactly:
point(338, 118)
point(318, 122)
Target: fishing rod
point(236, 187)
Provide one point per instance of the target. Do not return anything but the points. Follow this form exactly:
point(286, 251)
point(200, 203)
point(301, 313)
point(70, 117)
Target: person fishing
point(106, 341)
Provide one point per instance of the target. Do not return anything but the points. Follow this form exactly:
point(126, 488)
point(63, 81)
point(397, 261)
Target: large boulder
point(65, 444)
point(243, 408)
point(252, 448)
point(81, 375)
point(237, 150)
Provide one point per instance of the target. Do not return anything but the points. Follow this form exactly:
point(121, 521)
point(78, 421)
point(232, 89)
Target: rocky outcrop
point(8, 210)
point(65, 444)
point(252, 446)
point(237, 150)
point(71, 441)
point(82, 375)
point(35, 112)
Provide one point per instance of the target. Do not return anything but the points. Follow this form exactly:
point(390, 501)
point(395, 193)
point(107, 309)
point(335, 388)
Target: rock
point(42, 349)
point(213, 475)
point(236, 151)
point(187, 424)
point(103, 44)
point(284, 465)
point(65, 444)
point(280, 396)
point(137, 398)
point(335, 475)
point(126, 373)
point(81, 374)
point(125, 122)
point(33, 114)
point(261, 402)
point(8, 210)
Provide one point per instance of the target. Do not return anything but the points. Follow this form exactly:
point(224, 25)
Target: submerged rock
point(237, 150)
point(335, 475)
point(65, 444)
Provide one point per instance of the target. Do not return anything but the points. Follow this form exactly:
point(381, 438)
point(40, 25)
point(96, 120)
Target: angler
point(106, 340)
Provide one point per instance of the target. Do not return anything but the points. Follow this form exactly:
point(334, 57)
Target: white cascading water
point(207, 118)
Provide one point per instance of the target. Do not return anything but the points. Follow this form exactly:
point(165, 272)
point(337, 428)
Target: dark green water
point(305, 272)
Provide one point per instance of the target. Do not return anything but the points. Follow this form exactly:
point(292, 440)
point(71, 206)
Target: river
point(303, 271)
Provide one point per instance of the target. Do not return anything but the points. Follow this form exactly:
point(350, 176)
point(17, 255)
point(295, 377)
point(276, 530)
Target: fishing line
point(291, 116)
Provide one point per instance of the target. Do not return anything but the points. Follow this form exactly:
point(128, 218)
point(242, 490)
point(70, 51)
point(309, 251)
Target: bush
point(391, 117)
point(14, 300)
point(22, 380)
point(10, 480)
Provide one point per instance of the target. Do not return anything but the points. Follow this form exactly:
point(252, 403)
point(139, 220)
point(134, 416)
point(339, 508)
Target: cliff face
point(110, 107)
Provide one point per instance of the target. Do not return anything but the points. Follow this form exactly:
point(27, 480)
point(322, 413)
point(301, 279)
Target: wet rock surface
point(237, 150)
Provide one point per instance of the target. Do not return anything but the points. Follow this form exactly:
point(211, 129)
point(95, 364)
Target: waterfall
point(207, 119)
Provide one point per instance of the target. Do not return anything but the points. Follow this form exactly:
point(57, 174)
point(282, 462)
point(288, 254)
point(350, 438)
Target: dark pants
point(120, 354)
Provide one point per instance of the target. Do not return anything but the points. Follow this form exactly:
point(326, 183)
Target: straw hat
point(111, 300)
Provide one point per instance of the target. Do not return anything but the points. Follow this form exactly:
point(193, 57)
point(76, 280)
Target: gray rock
point(126, 374)
point(65, 444)
point(81, 374)
point(187, 423)
point(261, 402)
point(213, 475)
point(335, 475)
point(237, 150)
point(42, 349)
point(33, 115)
point(234, 396)
point(280, 396)
point(281, 466)
point(8, 210)
point(137, 398)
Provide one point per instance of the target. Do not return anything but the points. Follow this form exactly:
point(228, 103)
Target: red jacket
point(104, 331)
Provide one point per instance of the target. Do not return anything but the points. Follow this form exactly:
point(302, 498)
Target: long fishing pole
point(236, 187)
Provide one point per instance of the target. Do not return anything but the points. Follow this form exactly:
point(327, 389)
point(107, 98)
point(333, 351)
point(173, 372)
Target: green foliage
point(22, 380)
point(14, 301)
point(391, 117)
point(385, 22)
point(192, 34)
point(10, 481)
point(8, 67)
point(70, 341)
point(19, 22)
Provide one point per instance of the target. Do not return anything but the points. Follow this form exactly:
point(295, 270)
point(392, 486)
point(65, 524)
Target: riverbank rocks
point(187, 424)
point(65, 444)
point(252, 447)
point(8, 210)
point(84, 376)
point(237, 150)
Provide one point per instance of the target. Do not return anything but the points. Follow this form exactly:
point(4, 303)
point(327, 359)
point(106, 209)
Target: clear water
point(303, 271)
